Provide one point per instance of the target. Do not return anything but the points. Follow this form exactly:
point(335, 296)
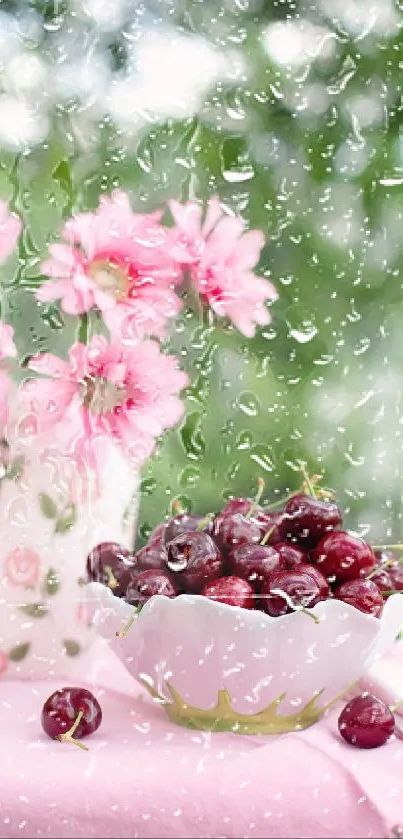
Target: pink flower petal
point(48, 364)
point(10, 229)
point(7, 345)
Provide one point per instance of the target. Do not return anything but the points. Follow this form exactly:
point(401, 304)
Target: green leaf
point(192, 436)
point(47, 505)
point(62, 174)
point(19, 652)
point(72, 648)
point(52, 582)
point(67, 519)
point(34, 610)
point(14, 469)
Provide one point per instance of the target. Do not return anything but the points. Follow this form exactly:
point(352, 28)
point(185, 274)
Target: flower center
point(110, 278)
point(101, 396)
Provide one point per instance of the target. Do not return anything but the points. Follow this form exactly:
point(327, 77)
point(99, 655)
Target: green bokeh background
point(322, 384)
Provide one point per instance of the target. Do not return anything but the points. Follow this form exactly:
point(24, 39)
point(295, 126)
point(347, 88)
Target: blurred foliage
point(312, 153)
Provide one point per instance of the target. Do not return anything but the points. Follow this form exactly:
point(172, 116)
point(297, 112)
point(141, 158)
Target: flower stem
point(83, 329)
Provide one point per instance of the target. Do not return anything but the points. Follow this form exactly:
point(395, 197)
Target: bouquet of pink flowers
point(124, 270)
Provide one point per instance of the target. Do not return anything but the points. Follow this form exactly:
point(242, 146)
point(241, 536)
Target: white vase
point(50, 518)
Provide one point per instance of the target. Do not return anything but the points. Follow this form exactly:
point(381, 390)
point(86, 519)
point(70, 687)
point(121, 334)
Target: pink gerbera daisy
point(220, 257)
point(117, 261)
point(105, 391)
point(10, 228)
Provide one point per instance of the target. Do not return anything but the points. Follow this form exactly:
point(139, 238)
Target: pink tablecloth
point(145, 777)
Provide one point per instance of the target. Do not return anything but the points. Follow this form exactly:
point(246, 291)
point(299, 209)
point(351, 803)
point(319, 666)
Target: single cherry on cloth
point(71, 711)
point(366, 722)
point(363, 594)
point(111, 564)
point(195, 560)
point(289, 591)
point(307, 519)
point(231, 590)
point(254, 563)
point(148, 583)
point(343, 556)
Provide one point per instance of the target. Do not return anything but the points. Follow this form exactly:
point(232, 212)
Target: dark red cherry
point(366, 722)
point(254, 563)
point(317, 575)
point(265, 521)
point(363, 594)
point(71, 713)
point(150, 556)
point(292, 554)
point(343, 556)
point(111, 564)
point(233, 529)
point(288, 591)
point(148, 583)
point(382, 579)
point(385, 558)
point(231, 590)
point(158, 534)
point(185, 523)
point(396, 575)
point(271, 523)
point(308, 519)
point(195, 559)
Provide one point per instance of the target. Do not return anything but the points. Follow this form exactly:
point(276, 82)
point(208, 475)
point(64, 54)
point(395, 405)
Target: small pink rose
point(3, 662)
point(21, 567)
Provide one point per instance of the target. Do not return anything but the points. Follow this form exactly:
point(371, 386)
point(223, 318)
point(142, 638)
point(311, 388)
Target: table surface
point(145, 777)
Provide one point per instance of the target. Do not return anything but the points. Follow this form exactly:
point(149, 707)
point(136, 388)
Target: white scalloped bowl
point(219, 667)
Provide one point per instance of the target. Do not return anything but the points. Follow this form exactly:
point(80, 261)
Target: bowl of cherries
point(252, 619)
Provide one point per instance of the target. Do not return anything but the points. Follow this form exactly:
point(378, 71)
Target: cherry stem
point(204, 522)
point(112, 581)
point(67, 737)
point(260, 491)
point(395, 706)
point(378, 568)
point(267, 535)
point(393, 591)
point(280, 501)
point(129, 624)
point(311, 614)
point(307, 480)
point(177, 507)
point(387, 547)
